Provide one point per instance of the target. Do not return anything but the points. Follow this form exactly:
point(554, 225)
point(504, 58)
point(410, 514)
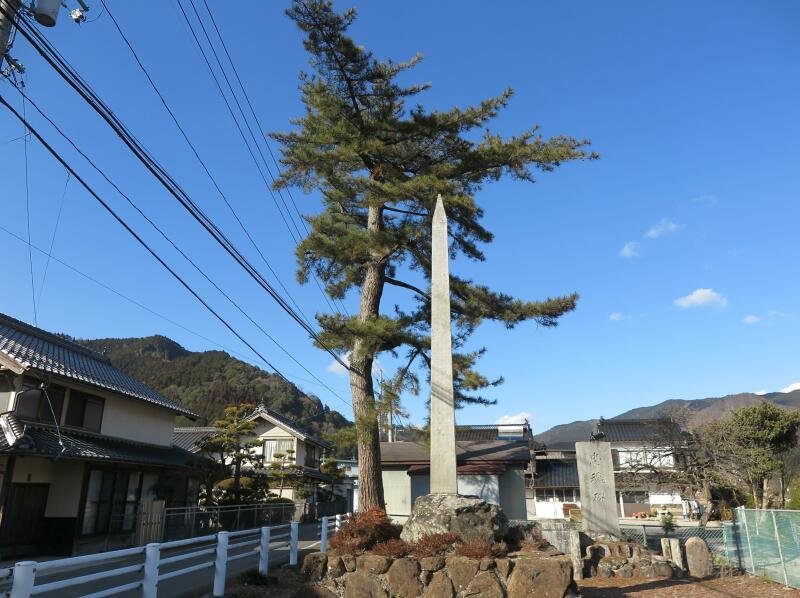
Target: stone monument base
point(469, 516)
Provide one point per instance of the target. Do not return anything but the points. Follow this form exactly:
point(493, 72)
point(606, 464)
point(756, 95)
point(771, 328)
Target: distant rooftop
point(633, 430)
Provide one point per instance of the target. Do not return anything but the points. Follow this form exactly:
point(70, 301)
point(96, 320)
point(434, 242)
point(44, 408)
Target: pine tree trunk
point(765, 493)
point(370, 484)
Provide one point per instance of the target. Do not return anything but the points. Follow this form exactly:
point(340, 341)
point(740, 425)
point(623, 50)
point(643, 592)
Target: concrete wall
point(512, 493)
point(64, 497)
point(136, 420)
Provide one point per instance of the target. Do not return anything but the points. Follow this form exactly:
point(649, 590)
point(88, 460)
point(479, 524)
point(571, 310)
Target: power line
point(133, 233)
point(191, 145)
point(236, 121)
point(28, 220)
point(176, 247)
point(269, 148)
point(72, 78)
point(53, 237)
point(131, 300)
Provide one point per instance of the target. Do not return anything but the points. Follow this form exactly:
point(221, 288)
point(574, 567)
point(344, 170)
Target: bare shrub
point(394, 548)
point(435, 544)
point(363, 531)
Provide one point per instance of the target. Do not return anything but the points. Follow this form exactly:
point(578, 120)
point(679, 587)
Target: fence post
point(323, 535)
point(263, 556)
point(221, 564)
point(780, 549)
point(338, 522)
point(644, 535)
point(152, 554)
point(24, 575)
point(749, 546)
point(293, 543)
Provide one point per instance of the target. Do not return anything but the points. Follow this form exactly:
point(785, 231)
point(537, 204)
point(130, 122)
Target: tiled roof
point(37, 351)
point(487, 433)
point(633, 430)
point(556, 474)
point(290, 425)
point(43, 440)
point(187, 438)
point(504, 451)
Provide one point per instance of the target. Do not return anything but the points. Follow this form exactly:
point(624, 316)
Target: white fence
point(140, 568)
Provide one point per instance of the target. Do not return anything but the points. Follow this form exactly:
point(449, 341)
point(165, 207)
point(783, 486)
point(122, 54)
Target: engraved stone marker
point(598, 490)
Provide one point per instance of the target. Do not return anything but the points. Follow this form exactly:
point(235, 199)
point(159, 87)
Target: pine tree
point(234, 441)
point(379, 163)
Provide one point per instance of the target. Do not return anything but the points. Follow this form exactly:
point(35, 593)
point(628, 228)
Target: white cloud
point(791, 387)
point(751, 319)
point(760, 392)
point(518, 418)
point(615, 317)
point(630, 249)
point(665, 226)
point(702, 298)
point(334, 367)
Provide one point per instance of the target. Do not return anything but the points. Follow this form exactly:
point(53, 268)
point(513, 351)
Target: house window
point(33, 404)
point(84, 411)
point(311, 456)
point(277, 445)
point(112, 499)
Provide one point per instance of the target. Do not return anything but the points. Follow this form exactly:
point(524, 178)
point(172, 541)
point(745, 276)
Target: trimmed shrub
point(394, 548)
point(363, 531)
point(435, 544)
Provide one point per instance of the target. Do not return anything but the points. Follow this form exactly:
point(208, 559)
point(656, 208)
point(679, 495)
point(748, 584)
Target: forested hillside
point(206, 382)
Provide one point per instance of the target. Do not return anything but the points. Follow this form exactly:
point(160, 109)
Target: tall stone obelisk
point(443, 421)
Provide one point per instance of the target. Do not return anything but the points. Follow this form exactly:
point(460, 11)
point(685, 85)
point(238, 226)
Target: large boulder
point(469, 516)
point(363, 585)
point(485, 585)
point(541, 577)
point(403, 578)
point(314, 565)
point(440, 586)
point(698, 558)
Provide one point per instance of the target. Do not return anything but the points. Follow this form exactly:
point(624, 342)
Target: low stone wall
point(625, 559)
point(520, 575)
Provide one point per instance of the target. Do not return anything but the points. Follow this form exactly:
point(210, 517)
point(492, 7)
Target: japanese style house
point(83, 447)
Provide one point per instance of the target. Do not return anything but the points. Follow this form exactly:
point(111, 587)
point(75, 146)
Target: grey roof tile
point(38, 351)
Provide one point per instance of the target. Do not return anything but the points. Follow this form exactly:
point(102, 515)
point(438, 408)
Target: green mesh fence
point(766, 542)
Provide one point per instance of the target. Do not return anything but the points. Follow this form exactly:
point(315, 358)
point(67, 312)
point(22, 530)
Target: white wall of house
point(136, 420)
point(631, 456)
point(512, 494)
point(33, 470)
point(400, 490)
point(64, 497)
point(665, 498)
point(397, 491)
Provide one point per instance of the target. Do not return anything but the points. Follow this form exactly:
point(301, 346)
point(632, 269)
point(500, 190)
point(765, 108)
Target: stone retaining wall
point(520, 575)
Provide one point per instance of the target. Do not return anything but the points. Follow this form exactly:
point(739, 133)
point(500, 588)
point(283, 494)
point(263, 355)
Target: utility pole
point(8, 14)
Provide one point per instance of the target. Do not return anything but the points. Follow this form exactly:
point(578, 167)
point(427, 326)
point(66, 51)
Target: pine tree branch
point(405, 285)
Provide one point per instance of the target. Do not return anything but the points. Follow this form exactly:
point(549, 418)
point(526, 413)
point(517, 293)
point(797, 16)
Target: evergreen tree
point(234, 441)
point(379, 163)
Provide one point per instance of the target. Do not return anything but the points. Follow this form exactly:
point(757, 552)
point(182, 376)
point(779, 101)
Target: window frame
point(113, 505)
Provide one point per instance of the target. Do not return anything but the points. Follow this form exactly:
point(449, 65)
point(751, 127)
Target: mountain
point(697, 413)
point(206, 382)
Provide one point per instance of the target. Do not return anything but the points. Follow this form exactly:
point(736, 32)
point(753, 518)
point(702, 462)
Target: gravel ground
point(744, 586)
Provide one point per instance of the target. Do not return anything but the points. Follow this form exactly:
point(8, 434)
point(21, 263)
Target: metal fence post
point(644, 535)
point(749, 546)
point(152, 555)
point(780, 549)
point(221, 564)
point(24, 575)
point(323, 535)
point(293, 526)
point(338, 522)
point(263, 556)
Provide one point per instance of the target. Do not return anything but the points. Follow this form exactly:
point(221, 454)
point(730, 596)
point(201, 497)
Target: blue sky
point(681, 239)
